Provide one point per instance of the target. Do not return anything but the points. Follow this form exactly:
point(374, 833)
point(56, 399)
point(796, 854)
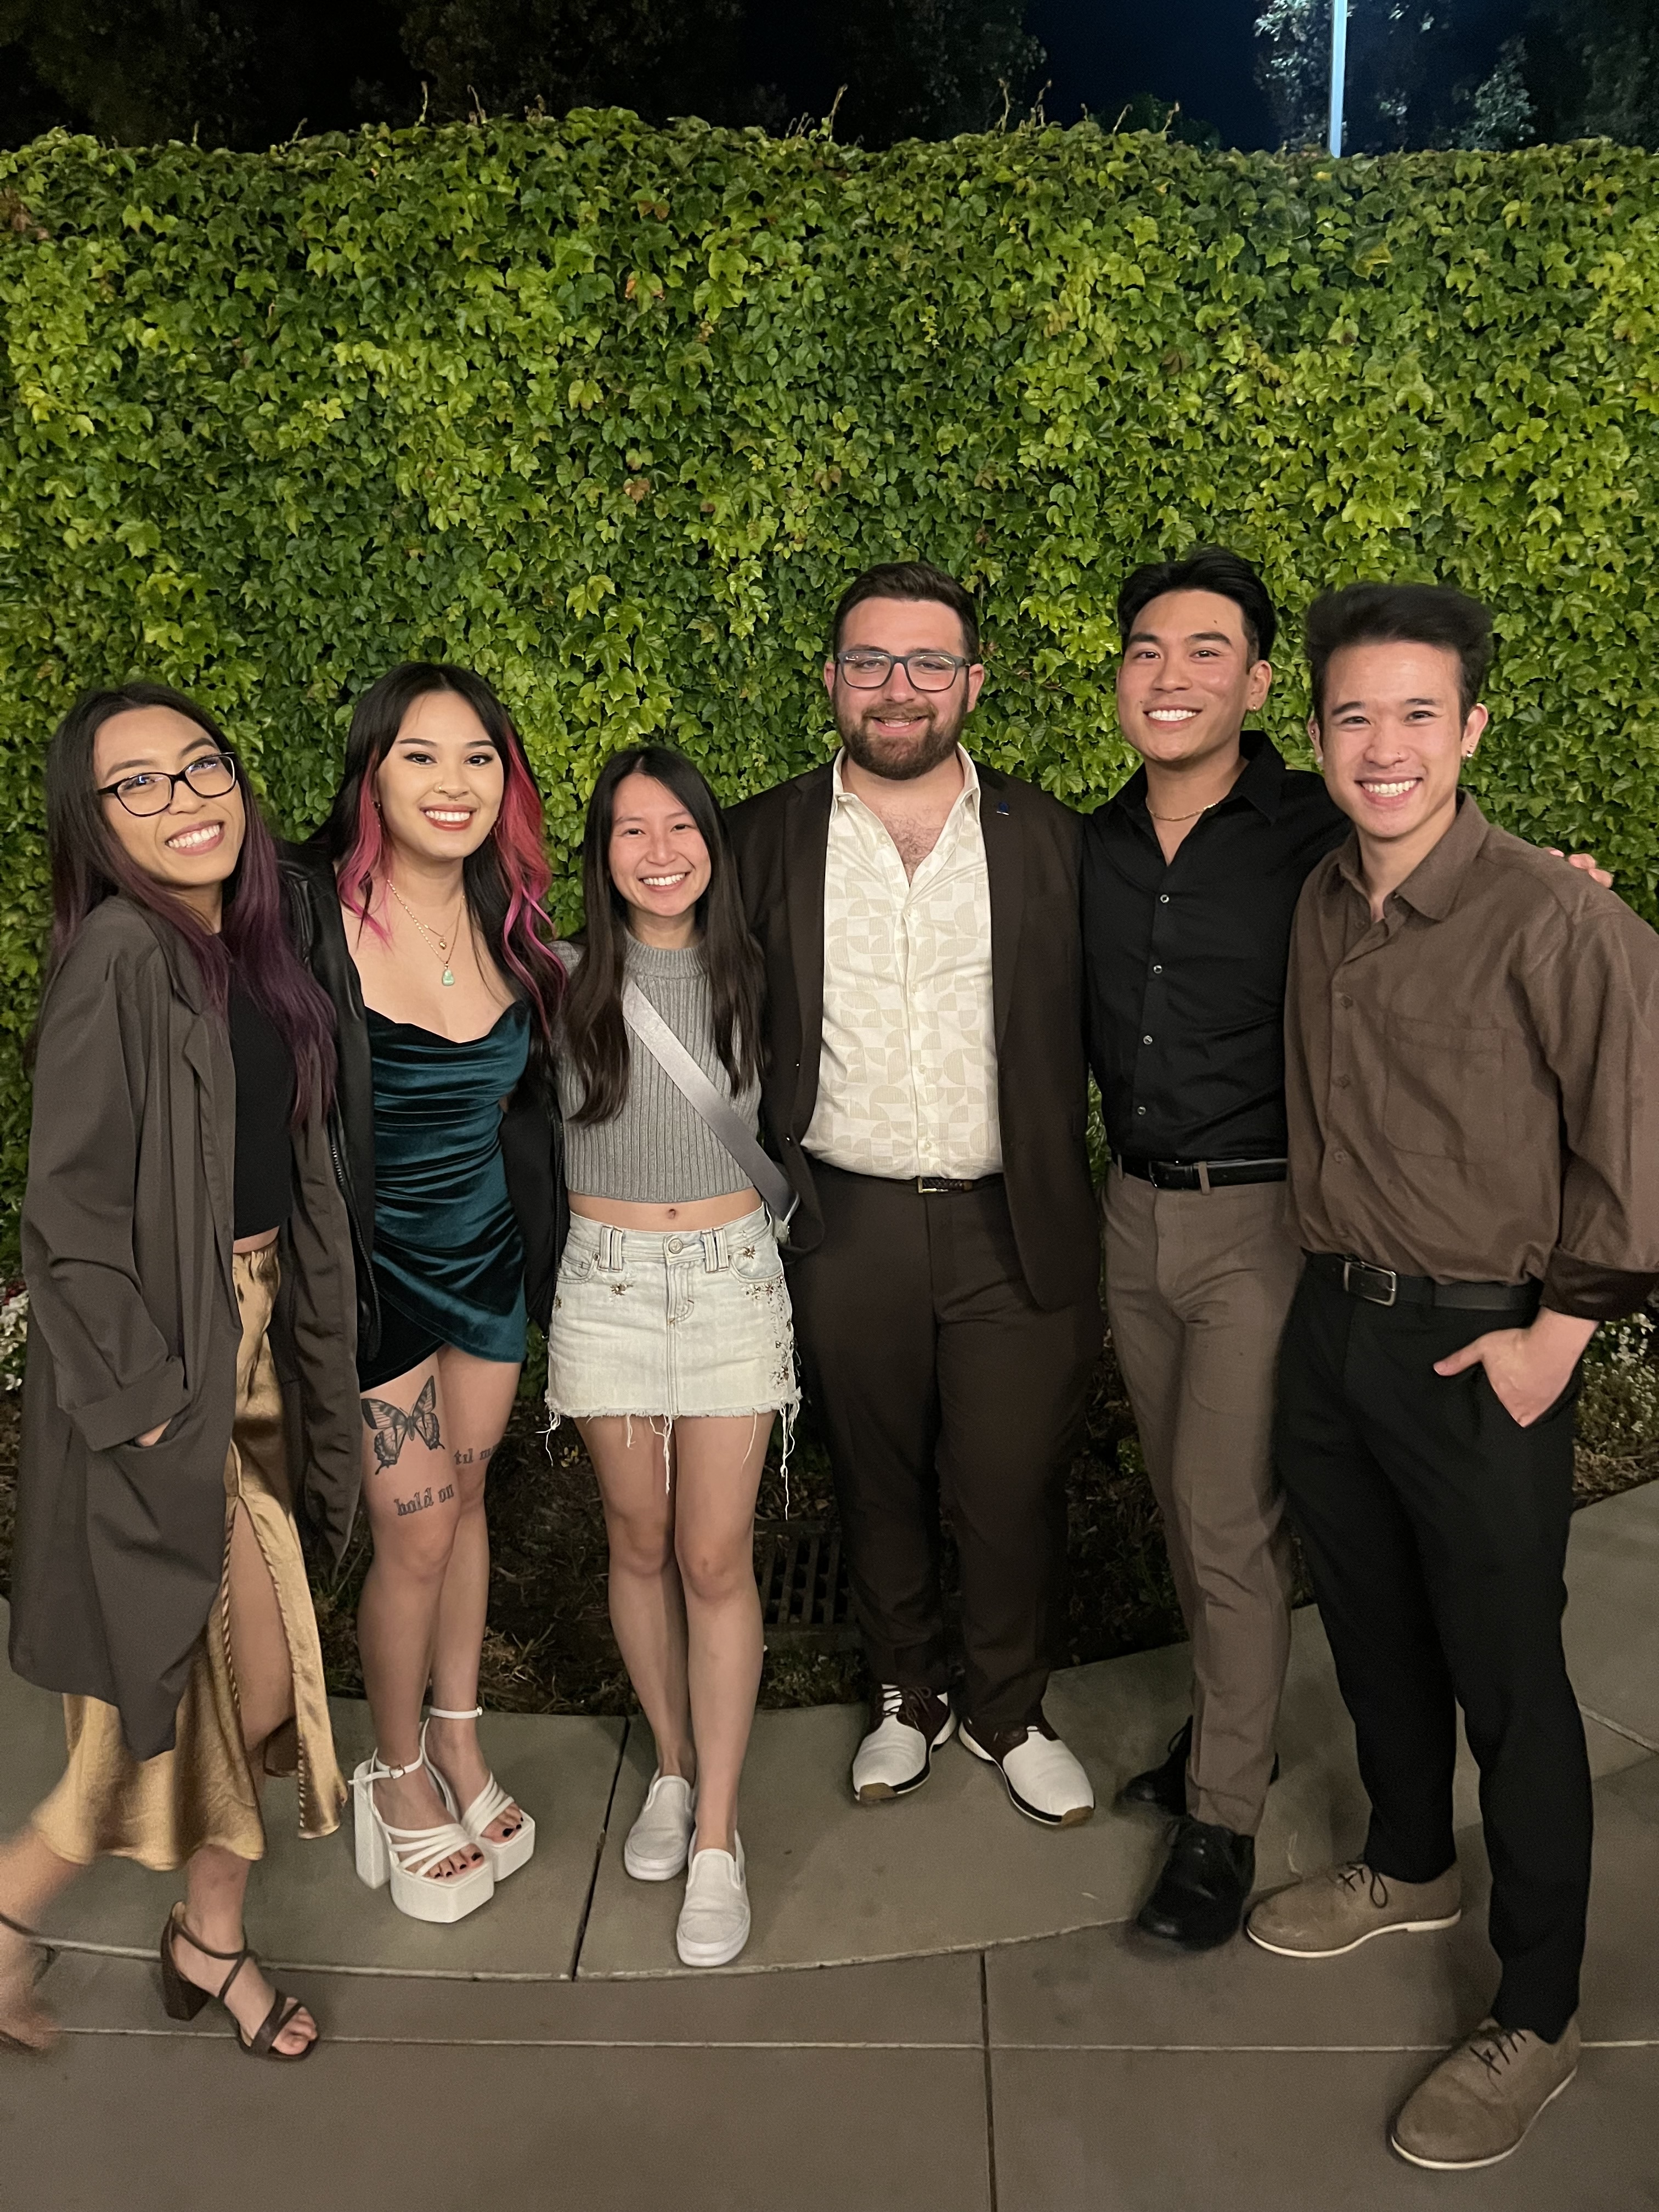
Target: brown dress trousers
point(1198, 1285)
point(938, 1379)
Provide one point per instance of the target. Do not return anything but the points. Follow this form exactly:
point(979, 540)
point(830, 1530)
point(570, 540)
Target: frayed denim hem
point(787, 1413)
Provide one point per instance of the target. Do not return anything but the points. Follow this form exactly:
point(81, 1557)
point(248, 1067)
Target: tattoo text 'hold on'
point(422, 1499)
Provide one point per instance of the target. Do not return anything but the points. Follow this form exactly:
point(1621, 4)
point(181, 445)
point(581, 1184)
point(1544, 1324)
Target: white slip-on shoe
point(1045, 1780)
point(406, 1856)
point(660, 1841)
point(715, 1917)
point(491, 1801)
point(907, 1727)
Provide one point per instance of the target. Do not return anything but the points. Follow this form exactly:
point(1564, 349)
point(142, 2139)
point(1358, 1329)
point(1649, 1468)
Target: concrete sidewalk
point(1005, 2039)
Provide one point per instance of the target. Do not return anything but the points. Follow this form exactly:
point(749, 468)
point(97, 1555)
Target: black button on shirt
point(1186, 961)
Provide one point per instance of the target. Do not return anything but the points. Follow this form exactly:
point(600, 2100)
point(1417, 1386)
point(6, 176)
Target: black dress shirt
point(1185, 961)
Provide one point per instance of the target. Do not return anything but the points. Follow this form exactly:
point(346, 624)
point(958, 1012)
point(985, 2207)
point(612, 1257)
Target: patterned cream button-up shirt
point(907, 1075)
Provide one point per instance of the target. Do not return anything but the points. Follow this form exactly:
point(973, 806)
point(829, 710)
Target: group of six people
point(319, 1130)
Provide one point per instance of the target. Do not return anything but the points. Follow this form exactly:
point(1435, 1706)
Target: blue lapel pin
point(1002, 806)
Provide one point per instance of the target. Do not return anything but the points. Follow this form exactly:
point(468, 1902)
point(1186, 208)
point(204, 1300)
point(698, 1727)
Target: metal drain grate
point(803, 1584)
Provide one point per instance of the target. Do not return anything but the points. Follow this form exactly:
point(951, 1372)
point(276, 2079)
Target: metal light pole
point(1339, 70)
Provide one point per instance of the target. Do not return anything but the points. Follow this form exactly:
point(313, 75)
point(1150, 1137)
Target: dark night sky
point(1102, 52)
point(1201, 52)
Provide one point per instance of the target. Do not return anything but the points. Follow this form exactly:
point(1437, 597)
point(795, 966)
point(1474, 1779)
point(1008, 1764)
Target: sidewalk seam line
point(536, 2042)
point(598, 1854)
point(1299, 2050)
point(1618, 1727)
point(990, 2098)
point(666, 2043)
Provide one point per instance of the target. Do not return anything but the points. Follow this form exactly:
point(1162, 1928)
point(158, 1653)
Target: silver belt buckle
point(1358, 1289)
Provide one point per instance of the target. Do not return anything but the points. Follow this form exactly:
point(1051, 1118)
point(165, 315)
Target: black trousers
point(1436, 1529)
point(935, 1374)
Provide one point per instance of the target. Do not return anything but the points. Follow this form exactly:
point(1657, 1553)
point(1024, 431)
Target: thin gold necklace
point(1192, 817)
point(441, 945)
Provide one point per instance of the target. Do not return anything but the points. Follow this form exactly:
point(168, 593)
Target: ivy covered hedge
point(612, 413)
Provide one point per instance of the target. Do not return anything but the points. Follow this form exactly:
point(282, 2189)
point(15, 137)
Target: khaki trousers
point(1198, 1285)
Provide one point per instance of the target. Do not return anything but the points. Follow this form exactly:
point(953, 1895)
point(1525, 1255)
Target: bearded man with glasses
point(927, 1089)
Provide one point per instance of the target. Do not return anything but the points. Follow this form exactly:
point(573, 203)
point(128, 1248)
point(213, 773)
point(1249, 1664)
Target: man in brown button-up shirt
point(1436, 1056)
point(1472, 1094)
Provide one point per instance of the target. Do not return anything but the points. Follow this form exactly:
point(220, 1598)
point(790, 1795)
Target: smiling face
point(658, 858)
point(1188, 679)
point(193, 848)
point(1392, 739)
point(899, 731)
point(440, 787)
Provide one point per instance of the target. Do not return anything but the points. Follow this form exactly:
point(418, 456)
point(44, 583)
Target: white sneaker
point(1043, 1777)
point(660, 1839)
point(907, 1727)
point(715, 1917)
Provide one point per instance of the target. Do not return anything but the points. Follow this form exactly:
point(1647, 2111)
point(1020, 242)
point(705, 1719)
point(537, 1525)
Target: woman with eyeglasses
point(422, 913)
point(188, 1262)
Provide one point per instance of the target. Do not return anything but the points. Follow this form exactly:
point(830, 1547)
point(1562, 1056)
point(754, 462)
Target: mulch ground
point(549, 1647)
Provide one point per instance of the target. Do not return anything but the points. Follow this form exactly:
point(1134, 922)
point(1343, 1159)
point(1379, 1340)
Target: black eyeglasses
point(209, 776)
point(867, 669)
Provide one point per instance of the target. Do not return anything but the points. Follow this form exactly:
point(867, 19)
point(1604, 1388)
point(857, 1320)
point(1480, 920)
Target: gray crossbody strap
point(721, 1116)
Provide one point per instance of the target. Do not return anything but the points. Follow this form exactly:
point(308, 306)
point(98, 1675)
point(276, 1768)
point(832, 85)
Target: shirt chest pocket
point(1443, 1089)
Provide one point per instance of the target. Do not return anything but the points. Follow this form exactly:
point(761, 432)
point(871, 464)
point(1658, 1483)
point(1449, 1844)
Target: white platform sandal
point(405, 1856)
point(491, 1801)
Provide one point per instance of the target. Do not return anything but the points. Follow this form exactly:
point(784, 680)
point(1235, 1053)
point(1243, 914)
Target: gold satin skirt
point(159, 1811)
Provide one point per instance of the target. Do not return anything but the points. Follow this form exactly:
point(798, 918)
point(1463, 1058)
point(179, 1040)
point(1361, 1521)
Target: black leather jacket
point(532, 1135)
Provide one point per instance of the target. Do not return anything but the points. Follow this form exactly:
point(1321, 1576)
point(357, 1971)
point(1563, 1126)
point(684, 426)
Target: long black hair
point(506, 880)
point(595, 1034)
point(88, 865)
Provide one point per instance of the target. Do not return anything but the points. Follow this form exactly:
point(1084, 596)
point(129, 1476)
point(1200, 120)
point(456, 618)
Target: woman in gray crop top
point(672, 1345)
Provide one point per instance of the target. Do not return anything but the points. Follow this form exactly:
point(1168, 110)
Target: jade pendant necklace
point(439, 945)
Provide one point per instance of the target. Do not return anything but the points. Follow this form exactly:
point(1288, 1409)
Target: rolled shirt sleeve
point(1593, 1005)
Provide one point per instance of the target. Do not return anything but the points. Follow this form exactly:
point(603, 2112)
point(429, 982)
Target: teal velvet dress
point(448, 1258)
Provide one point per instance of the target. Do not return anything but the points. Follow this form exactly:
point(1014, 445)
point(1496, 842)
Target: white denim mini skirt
point(692, 1325)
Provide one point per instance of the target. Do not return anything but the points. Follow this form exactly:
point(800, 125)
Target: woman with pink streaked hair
point(421, 910)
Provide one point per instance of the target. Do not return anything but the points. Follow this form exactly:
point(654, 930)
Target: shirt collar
point(1261, 785)
point(1432, 886)
point(968, 793)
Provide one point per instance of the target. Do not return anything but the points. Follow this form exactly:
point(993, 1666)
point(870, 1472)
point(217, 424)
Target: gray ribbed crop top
point(659, 1150)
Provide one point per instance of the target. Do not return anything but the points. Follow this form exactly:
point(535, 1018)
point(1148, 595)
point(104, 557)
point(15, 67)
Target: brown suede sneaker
point(1482, 2099)
point(1338, 1911)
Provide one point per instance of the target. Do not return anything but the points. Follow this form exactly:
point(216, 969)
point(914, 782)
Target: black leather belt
point(930, 1186)
point(1386, 1286)
point(1201, 1174)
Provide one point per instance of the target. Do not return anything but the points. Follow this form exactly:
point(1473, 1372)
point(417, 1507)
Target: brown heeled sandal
point(29, 2027)
point(184, 1998)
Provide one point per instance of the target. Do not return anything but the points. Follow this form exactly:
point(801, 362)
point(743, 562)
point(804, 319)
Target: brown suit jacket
point(780, 839)
point(133, 1321)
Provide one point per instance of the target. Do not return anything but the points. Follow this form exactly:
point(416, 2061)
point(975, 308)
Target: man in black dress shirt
point(1190, 878)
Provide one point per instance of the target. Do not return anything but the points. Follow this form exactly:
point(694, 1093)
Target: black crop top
point(264, 1105)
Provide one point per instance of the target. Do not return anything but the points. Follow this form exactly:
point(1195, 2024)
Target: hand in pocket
point(1528, 1367)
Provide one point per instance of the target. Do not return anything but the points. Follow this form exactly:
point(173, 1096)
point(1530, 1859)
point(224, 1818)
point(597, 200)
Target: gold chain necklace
point(441, 945)
point(1192, 817)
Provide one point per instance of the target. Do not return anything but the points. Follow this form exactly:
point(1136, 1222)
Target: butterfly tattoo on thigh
point(392, 1428)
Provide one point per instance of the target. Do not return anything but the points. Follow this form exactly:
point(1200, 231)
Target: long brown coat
point(127, 1235)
